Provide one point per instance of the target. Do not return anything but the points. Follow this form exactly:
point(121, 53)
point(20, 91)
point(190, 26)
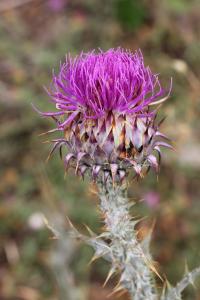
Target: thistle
point(106, 110)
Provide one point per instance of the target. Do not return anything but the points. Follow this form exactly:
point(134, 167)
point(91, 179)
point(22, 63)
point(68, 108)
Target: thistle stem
point(174, 293)
point(127, 254)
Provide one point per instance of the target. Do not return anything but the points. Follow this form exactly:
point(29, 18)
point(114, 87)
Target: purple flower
point(56, 5)
point(104, 105)
point(94, 84)
point(152, 199)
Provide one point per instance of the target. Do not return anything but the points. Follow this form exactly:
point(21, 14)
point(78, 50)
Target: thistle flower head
point(105, 108)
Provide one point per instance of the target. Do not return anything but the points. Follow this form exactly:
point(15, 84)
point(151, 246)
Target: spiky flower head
point(106, 111)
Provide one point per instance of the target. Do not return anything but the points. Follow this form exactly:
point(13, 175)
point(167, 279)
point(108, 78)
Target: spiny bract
point(104, 106)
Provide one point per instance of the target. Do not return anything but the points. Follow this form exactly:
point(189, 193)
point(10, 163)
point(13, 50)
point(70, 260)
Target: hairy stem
point(128, 257)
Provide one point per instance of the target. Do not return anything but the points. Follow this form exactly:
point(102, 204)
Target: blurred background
point(35, 35)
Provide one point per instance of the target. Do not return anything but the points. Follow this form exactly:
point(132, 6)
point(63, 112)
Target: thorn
point(152, 226)
point(167, 283)
point(95, 257)
point(118, 284)
point(110, 273)
point(160, 134)
point(163, 144)
point(54, 231)
point(122, 293)
point(43, 133)
point(47, 159)
point(161, 121)
point(152, 267)
point(190, 278)
point(47, 132)
point(116, 290)
point(186, 271)
point(46, 222)
point(52, 150)
point(192, 282)
point(164, 288)
point(92, 234)
point(73, 228)
point(46, 142)
point(70, 223)
point(136, 220)
point(141, 200)
point(103, 235)
point(131, 204)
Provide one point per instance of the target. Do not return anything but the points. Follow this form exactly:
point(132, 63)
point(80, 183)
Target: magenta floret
point(94, 84)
